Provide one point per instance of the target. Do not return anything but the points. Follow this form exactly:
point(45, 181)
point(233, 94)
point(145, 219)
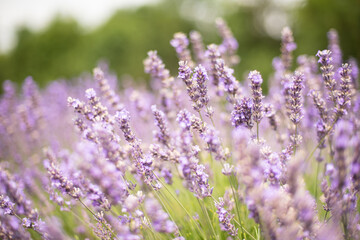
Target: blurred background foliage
point(65, 49)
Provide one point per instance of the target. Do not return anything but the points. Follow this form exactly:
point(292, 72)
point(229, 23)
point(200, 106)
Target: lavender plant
point(199, 155)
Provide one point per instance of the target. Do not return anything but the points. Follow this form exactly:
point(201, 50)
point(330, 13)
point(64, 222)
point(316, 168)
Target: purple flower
point(212, 53)
point(287, 47)
point(155, 67)
point(201, 78)
point(344, 93)
point(227, 169)
point(58, 179)
point(162, 135)
point(184, 119)
point(225, 218)
point(90, 93)
point(242, 113)
point(273, 168)
point(256, 81)
point(335, 47)
point(225, 76)
point(198, 46)
point(180, 42)
point(327, 69)
point(159, 219)
point(7, 205)
point(296, 112)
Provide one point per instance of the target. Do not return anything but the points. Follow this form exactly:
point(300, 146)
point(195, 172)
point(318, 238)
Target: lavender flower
point(143, 162)
point(287, 47)
point(229, 42)
point(160, 219)
point(227, 169)
point(334, 47)
point(180, 42)
point(225, 75)
point(7, 205)
point(225, 218)
point(198, 46)
point(201, 78)
point(272, 168)
point(270, 114)
point(327, 69)
point(320, 104)
point(296, 98)
point(242, 113)
point(155, 67)
point(256, 81)
point(162, 135)
point(106, 91)
point(213, 54)
point(58, 180)
point(344, 94)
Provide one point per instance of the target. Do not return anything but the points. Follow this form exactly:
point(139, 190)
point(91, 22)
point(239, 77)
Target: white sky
point(36, 14)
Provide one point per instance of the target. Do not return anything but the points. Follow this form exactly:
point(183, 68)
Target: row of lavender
point(111, 159)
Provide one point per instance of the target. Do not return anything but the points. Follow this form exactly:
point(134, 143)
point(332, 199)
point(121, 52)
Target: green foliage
point(65, 50)
point(317, 17)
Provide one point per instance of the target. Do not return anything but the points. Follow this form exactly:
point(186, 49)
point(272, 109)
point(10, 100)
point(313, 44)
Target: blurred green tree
point(65, 50)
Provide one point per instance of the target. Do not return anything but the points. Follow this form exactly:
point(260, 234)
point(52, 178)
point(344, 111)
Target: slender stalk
point(326, 213)
point(316, 180)
point(182, 206)
point(211, 119)
point(257, 132)
point(321, 141)
point(296, 130)
point(96, 217)
point(236, 204)
point(31, 228)
point(203, 208)
point(162, 203)
point(237, 222)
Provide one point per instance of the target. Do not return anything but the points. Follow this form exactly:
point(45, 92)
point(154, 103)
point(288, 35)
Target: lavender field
point(197, 155)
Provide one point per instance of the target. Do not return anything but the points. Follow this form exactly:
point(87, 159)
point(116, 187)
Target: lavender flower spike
point(197, 46)
point(344, 93)
point(229, 45)
point(296, 113)
point(7, 205)
point(201, 77)
point(225, 218)
point(156, 68)
point(58, 179)
point(180, 42)
point(242, 113)
point(327, 69)
point(335, 47)
point(162, 135)
point(256, 81)
point(287, 47)
point(213, 54)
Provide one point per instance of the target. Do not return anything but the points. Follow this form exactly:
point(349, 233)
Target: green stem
point(236, 204)
point(112, 233)
point(24, 227)
point(162, 203)
point(257, 132)
point(326, 213)
point(172, 195)
point(321, 141)
point(203, 208)
point(316, 180)
point(237, 222)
